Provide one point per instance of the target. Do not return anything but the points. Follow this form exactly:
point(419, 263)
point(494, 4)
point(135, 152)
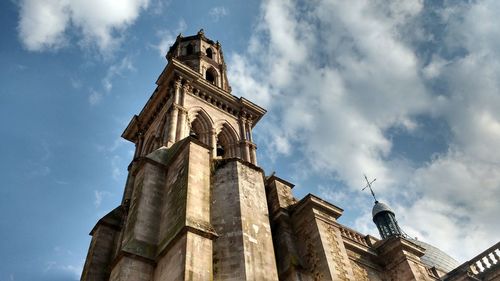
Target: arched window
point(200, 126)
point(209, 53)
point(211, 76)
point(189, 49)
point(227, 142)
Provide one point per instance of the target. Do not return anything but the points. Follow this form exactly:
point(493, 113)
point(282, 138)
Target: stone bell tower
point(194, 205)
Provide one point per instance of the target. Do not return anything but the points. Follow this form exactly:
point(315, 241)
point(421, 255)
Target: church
point(196, 205)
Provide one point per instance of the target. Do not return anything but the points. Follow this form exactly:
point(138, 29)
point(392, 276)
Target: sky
point(406, 92)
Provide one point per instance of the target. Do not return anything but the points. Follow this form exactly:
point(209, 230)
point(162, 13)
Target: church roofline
point(112, 219)
point(314, 201)
point(274, 177)
point(200, 35)
point(132, 127)
point(398, 243)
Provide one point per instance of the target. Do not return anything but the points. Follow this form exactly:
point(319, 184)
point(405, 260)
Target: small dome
point(380, 207)
point(435, 257)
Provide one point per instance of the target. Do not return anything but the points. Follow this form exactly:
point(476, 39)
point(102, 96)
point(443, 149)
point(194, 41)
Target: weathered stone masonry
point(197, 207)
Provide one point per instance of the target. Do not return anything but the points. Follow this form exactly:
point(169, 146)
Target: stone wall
point(244, 248)
point(97, 265)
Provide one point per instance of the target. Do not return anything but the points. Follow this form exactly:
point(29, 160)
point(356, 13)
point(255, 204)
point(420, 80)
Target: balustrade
point(480, 265)
point(353, 235)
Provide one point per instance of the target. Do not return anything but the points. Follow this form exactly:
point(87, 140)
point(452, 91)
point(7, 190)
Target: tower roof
point(380, 207)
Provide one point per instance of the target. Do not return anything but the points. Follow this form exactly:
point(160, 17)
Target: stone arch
point(189, 49)
point(227, 140)
point(209, 53)
point(200, 125)
point(151, 144)
point(212, 75)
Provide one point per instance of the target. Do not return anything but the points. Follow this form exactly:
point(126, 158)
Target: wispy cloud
point(167, 37)
point(75, 83)
point(117, 167)
point(74, 270)
point(39, 166)
point(115, 70)
point(218, 12)
point(95, 97)
point(113, 153)
point(99, 196)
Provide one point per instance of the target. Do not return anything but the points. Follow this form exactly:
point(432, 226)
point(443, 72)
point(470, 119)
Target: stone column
point(177, 92)
point(181, 123)
point(245, 151)
point(253, 154)
point(242, 127)
point(182, 120)
point(249, 128)
point(252, 147)
point(213, 141)
point(172, 128)
point(244, 142)
point(139, 144)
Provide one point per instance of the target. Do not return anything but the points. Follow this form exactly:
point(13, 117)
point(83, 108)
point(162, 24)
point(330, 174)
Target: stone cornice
point(314, 202)
point(195, 85)
point(399, 244)
point(276, 178)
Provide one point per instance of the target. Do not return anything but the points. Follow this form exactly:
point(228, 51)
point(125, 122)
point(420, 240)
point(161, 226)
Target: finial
point(369, 185)
point(201, 32)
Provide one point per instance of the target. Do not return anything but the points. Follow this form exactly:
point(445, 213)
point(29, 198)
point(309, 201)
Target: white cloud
point(45, 24)
point(334, 85)
point(75, 270)
point(116, 167)
point(99, 196)
point(95, 97)
point(42, 24)
point(336, 76)
point(118, 69)
point(218, 12)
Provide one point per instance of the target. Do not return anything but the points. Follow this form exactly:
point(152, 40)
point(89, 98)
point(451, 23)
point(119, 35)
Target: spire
point(383, 216)
point(369, 185)
point(385, 219)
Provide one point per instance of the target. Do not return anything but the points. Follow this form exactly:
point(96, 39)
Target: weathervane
point(369, 185)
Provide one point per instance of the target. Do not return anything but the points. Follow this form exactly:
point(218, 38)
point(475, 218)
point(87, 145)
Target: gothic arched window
point(200, 126)
point(227, 141)
point(209, 53)
point(189, 49)
point(211, 75)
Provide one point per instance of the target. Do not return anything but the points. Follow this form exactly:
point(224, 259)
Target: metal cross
point(369, 185)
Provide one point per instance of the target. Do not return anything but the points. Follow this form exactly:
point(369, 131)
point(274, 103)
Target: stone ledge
point(311, 201)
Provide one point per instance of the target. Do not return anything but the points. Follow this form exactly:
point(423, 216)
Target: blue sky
point(404, 91)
